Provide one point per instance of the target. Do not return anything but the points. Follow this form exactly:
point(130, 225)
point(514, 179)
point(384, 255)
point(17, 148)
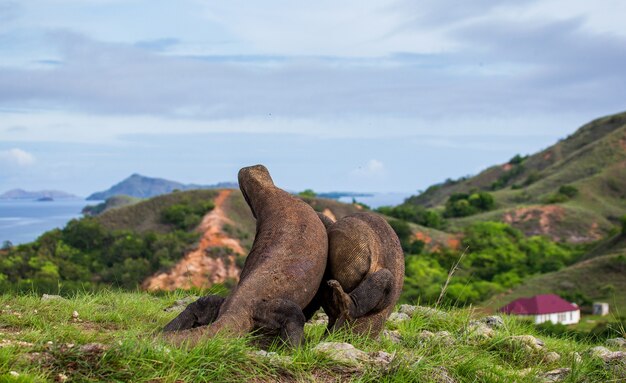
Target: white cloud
point(373, 168)
point(17, 157)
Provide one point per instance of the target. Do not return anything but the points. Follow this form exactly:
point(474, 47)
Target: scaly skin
point(365, 272)
point(282, 272)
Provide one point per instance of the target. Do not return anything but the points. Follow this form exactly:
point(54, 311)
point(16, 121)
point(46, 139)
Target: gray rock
point(393, 335)
point(576, 358)
point(607, 355)
point(396, 318)
point(527, 342)
point(557, 375)
point(617, 342)
point(493, 321)
point(47, 297)
point(479, 330)
point(348, 355)
point(272, 357)
point(93, 348)
point(319, 318)
point(551, 357)
point(443, 338)
point(343, 353)
point(181, 304)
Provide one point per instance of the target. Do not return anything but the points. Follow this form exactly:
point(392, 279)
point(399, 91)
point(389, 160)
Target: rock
point(607, 355)
point(344, 353)
point(576, 358)
point(14, 374)
point(181, 304)
point(527, 342)
point(444, 338)
point(319, 318)
point(493, 321)
point(93, 348)
point(478, 329)
point(61, 378)
point(47, 297)
point(557, 375)
point(19, 343)
point(617, 342)
point(272, 357)
point(424, 311)
point(347, 354)
point(551, 357)
point(393, 335)
point(396, 318)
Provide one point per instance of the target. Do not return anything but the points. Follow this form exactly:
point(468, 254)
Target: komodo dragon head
point(253, 180)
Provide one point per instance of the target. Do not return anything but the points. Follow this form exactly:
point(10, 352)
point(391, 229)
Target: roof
point(539, 304)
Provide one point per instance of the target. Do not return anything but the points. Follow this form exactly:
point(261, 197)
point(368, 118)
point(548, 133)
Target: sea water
point(376, 200)
point(23, 221)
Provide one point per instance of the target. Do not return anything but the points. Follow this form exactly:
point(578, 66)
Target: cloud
point(16, 157)
point(373, 168)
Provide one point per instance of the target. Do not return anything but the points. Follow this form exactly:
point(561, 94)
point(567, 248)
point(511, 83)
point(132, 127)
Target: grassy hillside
point(591, 162)
point(112, 336)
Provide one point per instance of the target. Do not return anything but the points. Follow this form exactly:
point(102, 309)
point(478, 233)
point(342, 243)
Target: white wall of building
point(568, 317)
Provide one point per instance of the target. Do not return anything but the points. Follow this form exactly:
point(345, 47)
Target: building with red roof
point(543, 308)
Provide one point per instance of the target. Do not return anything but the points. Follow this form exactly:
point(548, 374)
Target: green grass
point(128, 324)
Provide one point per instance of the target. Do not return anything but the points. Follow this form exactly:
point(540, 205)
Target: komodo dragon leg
point(280, 317)
point(199, 313)
point(371, 295)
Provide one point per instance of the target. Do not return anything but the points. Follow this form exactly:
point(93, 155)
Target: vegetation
point(88, 255)
point(464, 204)
point(307, 193)
point(114, 202)
point(115, 338)
point(415, 214)
point(493, 257)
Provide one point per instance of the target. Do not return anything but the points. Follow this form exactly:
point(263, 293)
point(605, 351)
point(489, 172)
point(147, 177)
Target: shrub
point(307, 193)
point(463, 204)
point(568, 190)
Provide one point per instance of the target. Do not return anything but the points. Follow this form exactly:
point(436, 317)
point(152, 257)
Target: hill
point(145, 187)
point(114, 202)
point(573, 191)
point(34, 195)
point(114, 337)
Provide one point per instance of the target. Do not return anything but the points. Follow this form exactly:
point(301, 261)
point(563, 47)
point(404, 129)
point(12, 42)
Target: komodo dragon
point(281, 274)
point(366, 267)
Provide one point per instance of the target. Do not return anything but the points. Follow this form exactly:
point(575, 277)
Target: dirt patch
point(548, 221)
point(506, 167)
point(199, 268)
point(547, 156)
point(622, 143)
point(544, 216)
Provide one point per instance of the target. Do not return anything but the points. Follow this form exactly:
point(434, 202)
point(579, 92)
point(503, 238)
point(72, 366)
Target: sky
point(356, 95)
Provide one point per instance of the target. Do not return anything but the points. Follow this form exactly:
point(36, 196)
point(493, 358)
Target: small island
point(44, 199)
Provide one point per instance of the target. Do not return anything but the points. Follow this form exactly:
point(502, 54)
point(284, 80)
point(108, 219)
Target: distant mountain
point(146, 187)
point(36, 195)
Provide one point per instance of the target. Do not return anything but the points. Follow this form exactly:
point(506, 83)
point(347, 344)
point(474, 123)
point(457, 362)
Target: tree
point(307, 193)
point(7, 245)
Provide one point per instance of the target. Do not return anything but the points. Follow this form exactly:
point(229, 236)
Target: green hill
point(572, 191)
